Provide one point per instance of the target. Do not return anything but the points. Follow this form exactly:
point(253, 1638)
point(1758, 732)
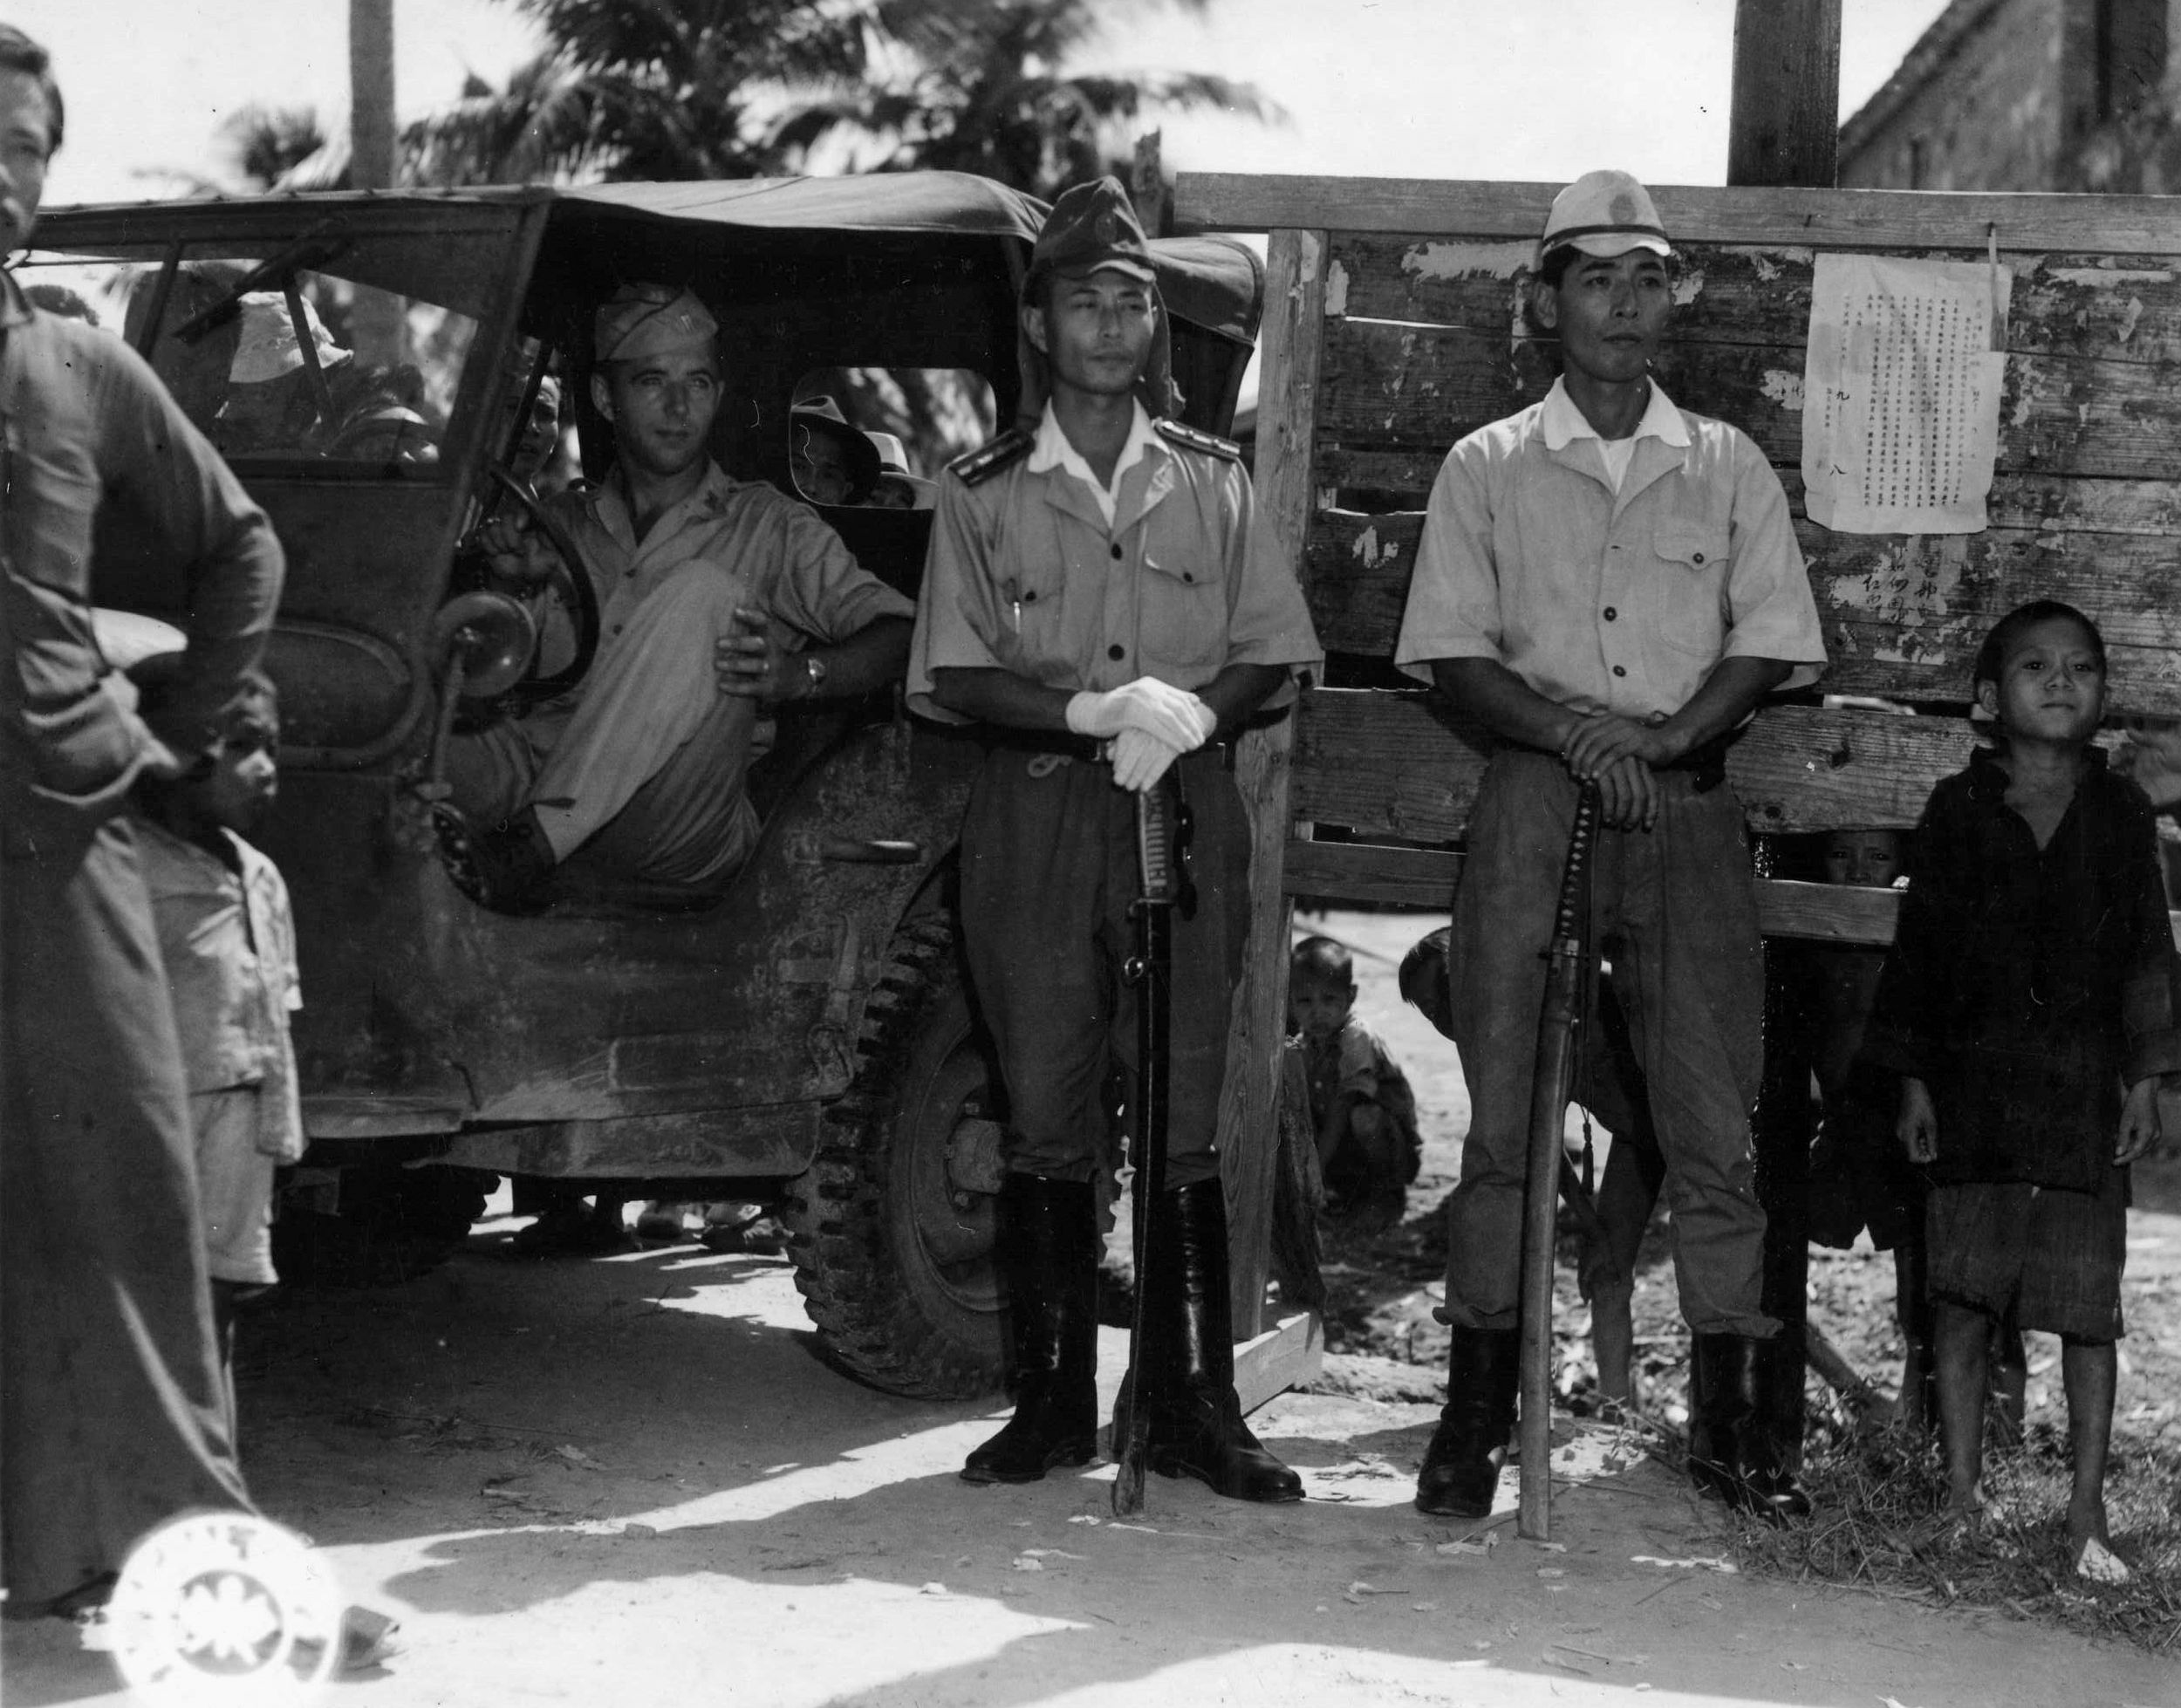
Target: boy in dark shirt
point(2028, 1005)
point(1362, 1109)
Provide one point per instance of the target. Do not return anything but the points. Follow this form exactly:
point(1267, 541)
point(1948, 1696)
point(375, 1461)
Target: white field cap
point(1603, 214)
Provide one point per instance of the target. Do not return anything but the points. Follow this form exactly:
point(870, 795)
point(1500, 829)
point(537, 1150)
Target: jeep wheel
point(891, 1228)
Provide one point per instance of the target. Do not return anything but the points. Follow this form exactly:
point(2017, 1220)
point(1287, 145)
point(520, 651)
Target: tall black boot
point(1049, 1256)
point(1461, 1466)
point(1735, 1450)
point(1187, 1385)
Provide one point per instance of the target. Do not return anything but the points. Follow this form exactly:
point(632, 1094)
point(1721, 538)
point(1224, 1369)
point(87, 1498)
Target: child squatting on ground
point(227, 941)
point(1609, 1085)
point(2027, 1006)
point(1362, 1110)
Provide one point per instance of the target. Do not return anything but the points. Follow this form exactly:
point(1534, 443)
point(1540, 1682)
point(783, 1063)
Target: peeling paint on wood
point(1335, 290)
point(1688, 288)
point(1783, 388)
point(1449, 260)
point(2104, 278)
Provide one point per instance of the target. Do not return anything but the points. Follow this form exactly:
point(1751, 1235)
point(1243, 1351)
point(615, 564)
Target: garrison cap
point(641, 320)
point(1603, 214)
point(1093, 229)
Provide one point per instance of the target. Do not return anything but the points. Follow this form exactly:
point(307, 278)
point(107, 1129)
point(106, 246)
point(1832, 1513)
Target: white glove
point(1174, 715)
point(1139, 761)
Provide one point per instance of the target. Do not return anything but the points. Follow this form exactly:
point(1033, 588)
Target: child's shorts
point(2054, 1255)
point(235, 1184)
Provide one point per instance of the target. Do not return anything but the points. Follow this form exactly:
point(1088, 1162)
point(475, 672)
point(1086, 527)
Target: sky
point(1392, 88)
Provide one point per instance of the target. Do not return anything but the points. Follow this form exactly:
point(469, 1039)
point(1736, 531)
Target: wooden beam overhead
point(1920, 220)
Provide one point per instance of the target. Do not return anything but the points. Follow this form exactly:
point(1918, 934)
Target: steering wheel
point(582, 597)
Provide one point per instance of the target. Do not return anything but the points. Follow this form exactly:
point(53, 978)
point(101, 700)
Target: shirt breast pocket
point(1182, 609)
point(1029, 607)
point(1688, 590)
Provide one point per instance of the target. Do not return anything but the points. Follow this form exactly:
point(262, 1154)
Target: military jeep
point(368, 363)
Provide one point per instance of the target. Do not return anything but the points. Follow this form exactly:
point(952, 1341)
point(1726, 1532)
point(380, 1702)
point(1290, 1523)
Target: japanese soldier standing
point(1610, 585)
point(1092, 600)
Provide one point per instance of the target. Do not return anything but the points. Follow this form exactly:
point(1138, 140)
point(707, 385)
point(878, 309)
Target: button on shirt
point(1028, 573)
point(1603, 600)
point(227, 940)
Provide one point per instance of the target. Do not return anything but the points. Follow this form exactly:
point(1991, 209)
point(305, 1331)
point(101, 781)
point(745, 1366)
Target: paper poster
point(1901, 393)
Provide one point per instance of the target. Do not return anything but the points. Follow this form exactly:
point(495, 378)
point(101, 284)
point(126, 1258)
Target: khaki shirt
point(1025, 574)
point(800, 573)
point(228, 942)
point(1603, 601)
point(800, 576)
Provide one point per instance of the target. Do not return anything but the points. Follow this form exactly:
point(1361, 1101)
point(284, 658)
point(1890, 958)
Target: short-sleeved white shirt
point(1608, 601)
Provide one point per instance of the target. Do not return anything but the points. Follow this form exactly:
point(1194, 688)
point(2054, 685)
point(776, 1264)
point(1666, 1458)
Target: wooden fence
point(1392, 328)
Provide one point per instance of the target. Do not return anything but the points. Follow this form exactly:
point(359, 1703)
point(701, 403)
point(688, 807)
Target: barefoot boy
point(2026, 1006)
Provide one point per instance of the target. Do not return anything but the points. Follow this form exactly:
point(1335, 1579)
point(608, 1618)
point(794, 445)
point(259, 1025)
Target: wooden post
point(1783, 126)
point(1784, 129)
point(371, 158)
point(1286, 428)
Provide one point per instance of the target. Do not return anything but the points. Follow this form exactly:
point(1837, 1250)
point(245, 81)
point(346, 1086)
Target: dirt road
point(630, 1481)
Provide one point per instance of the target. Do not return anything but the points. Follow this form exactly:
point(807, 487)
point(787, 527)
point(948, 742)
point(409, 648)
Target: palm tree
point(982, 86)
point(645, 88)
point(732, 88)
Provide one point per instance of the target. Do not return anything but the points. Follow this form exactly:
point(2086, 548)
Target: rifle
point(1549, 1088)
point(1162, 824)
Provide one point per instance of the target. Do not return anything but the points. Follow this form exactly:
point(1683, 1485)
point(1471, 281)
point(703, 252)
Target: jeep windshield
point(322, 353)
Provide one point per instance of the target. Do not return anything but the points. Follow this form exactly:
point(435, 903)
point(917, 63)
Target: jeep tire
point(891, 1228)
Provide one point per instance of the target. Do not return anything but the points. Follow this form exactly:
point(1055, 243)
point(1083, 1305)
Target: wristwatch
point(813, 675)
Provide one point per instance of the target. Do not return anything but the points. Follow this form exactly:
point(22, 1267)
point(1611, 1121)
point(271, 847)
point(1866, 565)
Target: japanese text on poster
point(1901, 393)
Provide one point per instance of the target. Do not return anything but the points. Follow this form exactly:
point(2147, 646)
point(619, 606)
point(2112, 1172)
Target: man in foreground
point(1091, 600)
point(1610, 585)
point(112, 1411)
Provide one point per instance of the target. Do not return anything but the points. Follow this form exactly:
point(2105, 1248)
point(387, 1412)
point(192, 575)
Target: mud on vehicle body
point(809, 1041)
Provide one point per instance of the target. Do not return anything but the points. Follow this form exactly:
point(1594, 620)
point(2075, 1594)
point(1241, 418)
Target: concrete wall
point(2011, 95)
point(1979, 104)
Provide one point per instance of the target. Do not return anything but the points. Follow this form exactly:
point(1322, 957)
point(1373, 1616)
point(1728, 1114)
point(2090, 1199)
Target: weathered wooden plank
point(1768, 216)
point(1903, 615)
point(2126, 308)
point(1426, 877)
point(1388, 384)
point(1293, 333)
point(1371, 873)
point(1287, 1355)
point(1391, 764)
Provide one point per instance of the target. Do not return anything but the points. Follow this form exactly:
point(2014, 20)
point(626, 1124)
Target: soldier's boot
point(1461, 1472)
point(1049, 1257)
point(1734, 1435)
point(1195, 1418)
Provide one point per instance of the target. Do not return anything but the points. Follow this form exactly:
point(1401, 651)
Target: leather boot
point(1773, 1444)
point(1048, 1258)
point(1735, 1449)
point(1195, 1420)
point(1461, 1466)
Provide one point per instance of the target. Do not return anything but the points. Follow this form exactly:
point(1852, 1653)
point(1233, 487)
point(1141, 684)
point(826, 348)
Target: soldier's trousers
point(1049, 867)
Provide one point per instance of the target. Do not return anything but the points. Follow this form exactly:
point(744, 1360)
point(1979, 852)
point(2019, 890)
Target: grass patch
point(1877, 1529)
